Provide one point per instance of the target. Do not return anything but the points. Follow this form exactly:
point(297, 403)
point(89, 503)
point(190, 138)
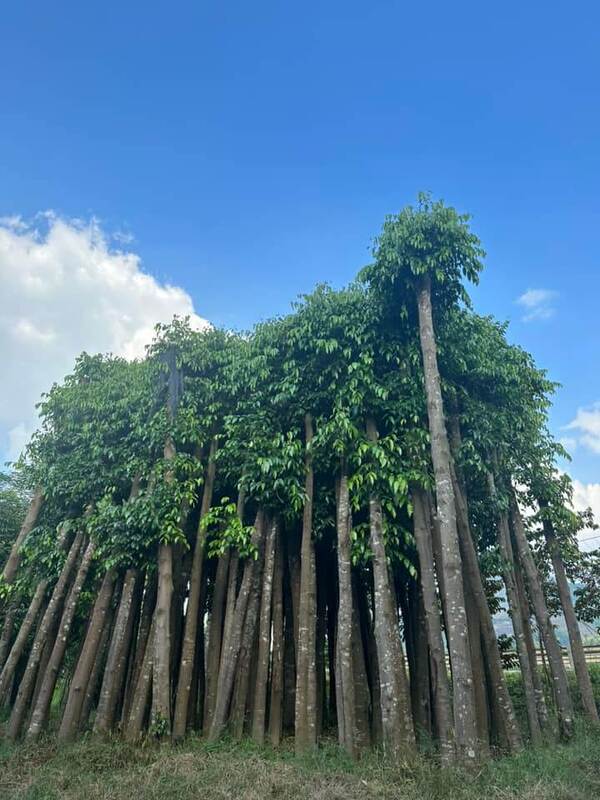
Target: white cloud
point(538, 304)
point(66, 289)
point(587, 495)
point(587, 426)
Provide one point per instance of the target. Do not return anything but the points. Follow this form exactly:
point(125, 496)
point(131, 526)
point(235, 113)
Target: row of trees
point(288, 531)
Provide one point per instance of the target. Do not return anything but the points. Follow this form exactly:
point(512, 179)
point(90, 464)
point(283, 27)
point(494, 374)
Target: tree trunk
point(458, 637)
point(120, 645)
point(306, 675)
point(161, 660)
point(143, 688)
point(93, 684)
point(18, 648)
point(345, 673)
point(508, 726)
point(564, 705)
point(27, 685)
point(215, 637)
point(89, 653)
point(230, 655)
point(577, 651)
point(396, 717)
point(276, 702)
point(525, 613)
point(7, 630)
point(264, 637)
point(246, 665)
point(188, 653)
point(14, 558)
point(40, 712)
point(439, 673)
point(142, 639)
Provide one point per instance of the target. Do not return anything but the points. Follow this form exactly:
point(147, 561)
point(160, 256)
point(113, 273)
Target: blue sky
point(245, 151)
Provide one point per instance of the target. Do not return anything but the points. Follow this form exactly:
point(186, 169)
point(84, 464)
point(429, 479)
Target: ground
point(111, 770)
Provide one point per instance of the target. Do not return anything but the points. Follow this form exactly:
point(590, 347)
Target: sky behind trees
point(240, 153)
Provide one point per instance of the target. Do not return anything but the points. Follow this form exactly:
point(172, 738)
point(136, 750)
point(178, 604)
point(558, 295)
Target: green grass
point(111, 770)
point(94, 769)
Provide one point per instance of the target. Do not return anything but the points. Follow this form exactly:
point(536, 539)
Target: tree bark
point(188, 653)
point(439, 673)
point(507, 720)
point(18, 648)
point(276, 702)
point(525, 613)
point(396, 717)
point(577, 651)
point(14, 558)
point(40, 712)
point(564, 704)
point(306, 670)
point(259, 711)
point(161, 660)
point(230, 655)
point(116, 662)
point(93, 685)
point(215, 636)
point(141, 643)
point(27, 685)
point(89, 653)
point(345, 673)
point(7, 630)
point(246, 667)
point(458, 638)
point(143, 688)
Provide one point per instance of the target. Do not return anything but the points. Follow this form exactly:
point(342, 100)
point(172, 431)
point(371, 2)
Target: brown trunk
point(502, 703)
point(482, 620)
point(14, 558)
point(231, 652)
point(346, 691)
point(47, 624)
point(289, 656)
point(306, 670)
point(188, 652)
point(248, 651)
point(361, 682)
point(116, 663)
point(439, 673)
point(141, 643)
point(7, 629)
point(18, 648)
point(39, 715)
point(276, 701)
point(264, 637)
point(89, 653)
point(516, 615)
point(162, 642)
point(215, 637)
point(396, 717)
point(458, 638)
point(93, 684)
point(525, 614)
point(581, 669)
point(564, 705)
point(142, 694)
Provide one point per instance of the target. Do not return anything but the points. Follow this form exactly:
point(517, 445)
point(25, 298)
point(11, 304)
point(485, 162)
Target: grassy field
point(111, 770)
point(96, 770)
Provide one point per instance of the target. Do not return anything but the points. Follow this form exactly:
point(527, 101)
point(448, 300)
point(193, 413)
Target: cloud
point(66, 288)
point(538, 304)
point(587, 495)
point(587, 426)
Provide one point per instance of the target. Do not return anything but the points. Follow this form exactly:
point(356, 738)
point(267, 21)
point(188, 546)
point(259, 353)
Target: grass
point(111, 770)
point(95, 769)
